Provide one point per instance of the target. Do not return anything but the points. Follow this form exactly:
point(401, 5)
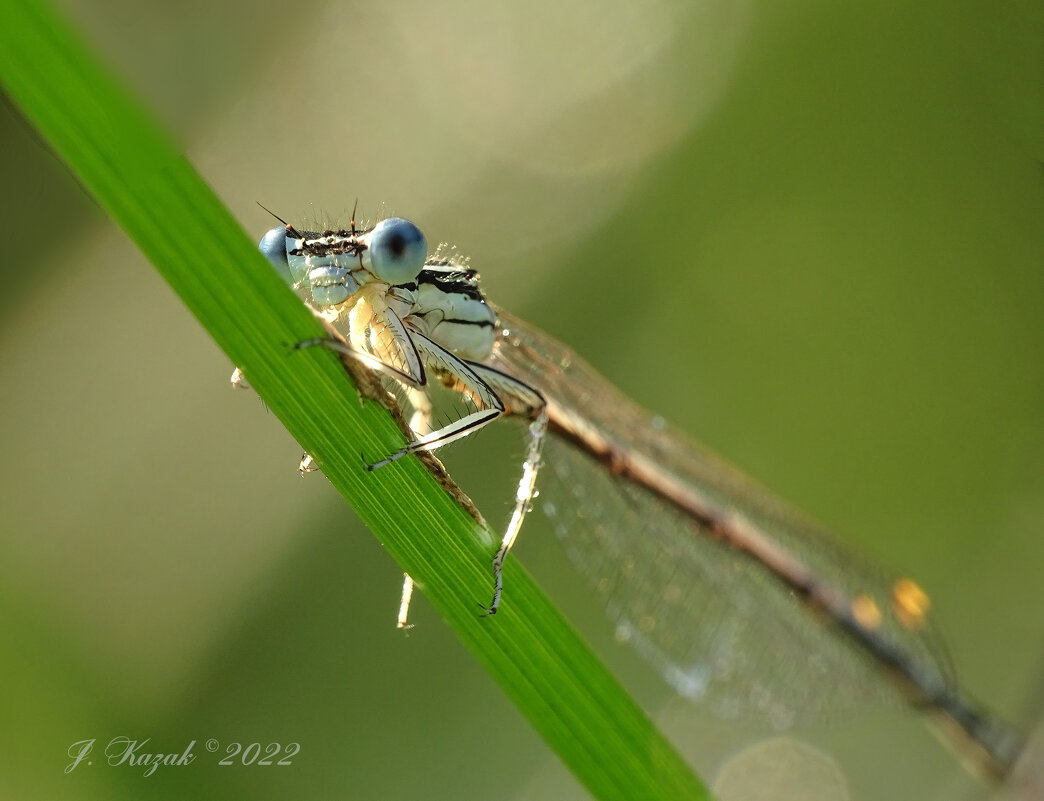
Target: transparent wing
point(719, 625)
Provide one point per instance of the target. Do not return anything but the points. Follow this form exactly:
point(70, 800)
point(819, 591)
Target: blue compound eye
point(397, 250)
point(273, 246)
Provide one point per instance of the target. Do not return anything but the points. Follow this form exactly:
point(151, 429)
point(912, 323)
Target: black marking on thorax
point(451, 279)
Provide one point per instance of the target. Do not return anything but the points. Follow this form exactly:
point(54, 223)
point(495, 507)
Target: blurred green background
point(812, 236)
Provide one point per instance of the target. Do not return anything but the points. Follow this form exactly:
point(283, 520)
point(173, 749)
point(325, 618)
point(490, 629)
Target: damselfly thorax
point(735, 598)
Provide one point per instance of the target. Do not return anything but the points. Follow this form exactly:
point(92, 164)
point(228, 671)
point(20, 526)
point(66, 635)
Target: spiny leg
point(421, 416)
point(525, 401)
point(420, 421)
point(362, 357)
point(486, 386)
point(483, 384)
point(404, 602)
point(439, 360)
point(413, 381)
point(523, 501)
point(468, 382)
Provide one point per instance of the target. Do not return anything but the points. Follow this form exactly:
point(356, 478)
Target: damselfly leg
point(499, 393)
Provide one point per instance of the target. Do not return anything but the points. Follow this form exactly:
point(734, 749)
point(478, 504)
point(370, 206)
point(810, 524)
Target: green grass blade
point(118, 154)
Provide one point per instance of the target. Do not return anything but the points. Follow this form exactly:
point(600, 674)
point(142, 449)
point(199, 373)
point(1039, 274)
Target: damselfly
point(733, 596)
